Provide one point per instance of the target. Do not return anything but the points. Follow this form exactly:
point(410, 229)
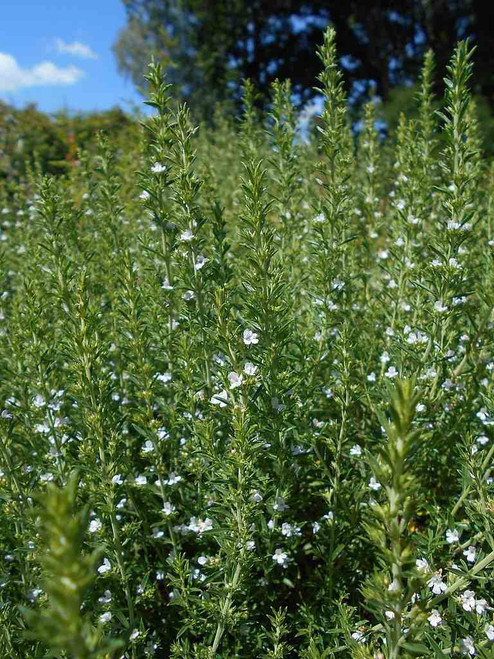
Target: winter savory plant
point(246, 390)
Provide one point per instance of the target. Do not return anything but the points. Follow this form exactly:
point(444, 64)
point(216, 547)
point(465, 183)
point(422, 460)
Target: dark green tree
point(209, 46)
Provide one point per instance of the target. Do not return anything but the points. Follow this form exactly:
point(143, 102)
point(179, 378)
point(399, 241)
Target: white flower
point(173, 479)
point(250, 369)
point(286, 529)
point(316, 527)
point(186, 235)
point(164, 377)
point(144, 195)
point(166, 285)
point(105, 598)
point(435, 619)
point(437, 585)
point(220, 398)
point(452, 225)
point(168, 508)
point(422, 565)
point(356, 450)
point(391, 372)
point(135, 634)
point(104, 567)
point(148, 447)
point(141, 480)
point(250, 337)
point(280, 557)
point(384, 359)
point(280, 505)
point(117, 479)
point(95, 525)
point(200, 262)
point(374, 485)
point(158, 167)
point(470, 554)
point(256, 497)
point(234, 379)
point(440, 307)
point(188, 295)
point(467, 646)
point(489, 631)
point(371, 377)
point(199, 525)
point(105, 617)
point(481, 606)
point(337, 284)
point(467, 600)
point(358, 636)
point(452, 536)
point(39, 401)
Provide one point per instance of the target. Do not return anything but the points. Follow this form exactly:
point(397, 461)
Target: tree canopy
point(209, 46)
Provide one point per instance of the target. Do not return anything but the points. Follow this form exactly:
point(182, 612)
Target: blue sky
point(58, 54)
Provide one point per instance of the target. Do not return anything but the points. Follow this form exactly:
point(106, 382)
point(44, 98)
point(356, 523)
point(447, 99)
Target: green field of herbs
point(246, 387)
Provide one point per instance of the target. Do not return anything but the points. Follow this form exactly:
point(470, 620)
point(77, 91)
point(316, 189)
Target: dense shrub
point(247, 394)
point(30, 138)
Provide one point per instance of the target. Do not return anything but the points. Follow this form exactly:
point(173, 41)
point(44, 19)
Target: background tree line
point(210, 46)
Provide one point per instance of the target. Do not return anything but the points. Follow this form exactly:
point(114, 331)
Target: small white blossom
point(200, 262)
point(452, 536)
point(186, 235)
point(440, 307)
point(467, 647)
point(250, 369)
point(280, 557)
point(422, 565)
point(467, 600)
point(250, 337)
point(148, 447)
point(437, 585)
point(234, 379)
point(435, 619)
point(158, 168)
point(168, 508)
point(220, 398)
point(104, 567)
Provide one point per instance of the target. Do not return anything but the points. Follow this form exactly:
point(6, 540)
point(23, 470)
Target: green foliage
point(67, 573)
point(271, 363)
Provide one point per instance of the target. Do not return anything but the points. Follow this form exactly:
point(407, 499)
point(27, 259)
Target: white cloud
point(77, 49)
point(13, 76)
